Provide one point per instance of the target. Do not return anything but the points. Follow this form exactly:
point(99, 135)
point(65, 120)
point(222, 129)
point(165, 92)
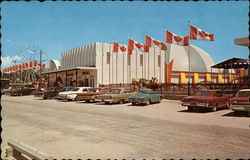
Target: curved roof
point(54, 65)
point(199, 59)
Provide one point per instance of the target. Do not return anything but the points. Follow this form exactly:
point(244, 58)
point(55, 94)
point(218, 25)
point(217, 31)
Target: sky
point(55, 27)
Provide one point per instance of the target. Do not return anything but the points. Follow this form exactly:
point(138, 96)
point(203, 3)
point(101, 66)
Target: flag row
point(171, 38)
point(27, 65)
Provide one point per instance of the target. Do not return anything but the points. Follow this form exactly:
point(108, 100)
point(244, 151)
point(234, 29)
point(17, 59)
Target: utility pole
point(40, 71)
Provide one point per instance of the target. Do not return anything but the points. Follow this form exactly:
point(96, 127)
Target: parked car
point(240, 103)
point(91, 94)
point(51, 92)
point(22, 90)
point(212, 99)
point(71, 95)
point(39, 92)
point(7, 89)
point(116, 95)
point(145, 96)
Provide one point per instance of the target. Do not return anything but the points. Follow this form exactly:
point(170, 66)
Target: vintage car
point(91, 94)
point(211, 99)
point(38, 92)
point(8, 89)
point(116, 95)
point(241, 102)
point(22, 90)
point(71, 95)
point(145, 96)
point(51, 92)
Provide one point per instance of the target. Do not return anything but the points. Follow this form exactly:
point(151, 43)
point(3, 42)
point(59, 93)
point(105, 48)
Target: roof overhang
point(70, 69)
point(233, 63)
point(242, 41)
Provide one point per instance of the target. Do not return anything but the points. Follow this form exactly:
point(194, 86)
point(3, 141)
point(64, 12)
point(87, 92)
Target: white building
point(96, 64)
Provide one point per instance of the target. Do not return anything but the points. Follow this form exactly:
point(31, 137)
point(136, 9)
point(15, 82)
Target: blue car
point(146, 97)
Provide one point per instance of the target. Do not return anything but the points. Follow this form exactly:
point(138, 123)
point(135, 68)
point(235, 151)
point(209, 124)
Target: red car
point(241, 102)
point(211, 99)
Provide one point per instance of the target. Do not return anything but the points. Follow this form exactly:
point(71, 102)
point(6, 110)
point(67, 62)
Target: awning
point(233, 63)
point(70, 69)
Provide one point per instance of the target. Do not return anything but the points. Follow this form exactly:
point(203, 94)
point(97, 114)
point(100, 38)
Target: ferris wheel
point(28, 54)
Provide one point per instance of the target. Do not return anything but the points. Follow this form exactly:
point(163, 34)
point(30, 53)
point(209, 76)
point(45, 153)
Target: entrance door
point(86, 82)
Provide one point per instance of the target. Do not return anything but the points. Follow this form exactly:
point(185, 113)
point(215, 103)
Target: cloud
point(8, 61)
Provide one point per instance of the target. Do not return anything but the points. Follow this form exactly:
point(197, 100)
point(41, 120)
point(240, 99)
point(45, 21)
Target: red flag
point(173, 38)
point(19, 66)
point(116, 47)
point(134, 45)
point(23, 66)
point(198, 34)
point(150, 41)
point(30, 64)
point(43, 65)
point(123, 48)
point(35, 63)
point(169, 71)
point(26, 65)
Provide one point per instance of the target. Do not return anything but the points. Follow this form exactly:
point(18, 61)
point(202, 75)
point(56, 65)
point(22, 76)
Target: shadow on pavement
point(231, 114)
point(195, 111)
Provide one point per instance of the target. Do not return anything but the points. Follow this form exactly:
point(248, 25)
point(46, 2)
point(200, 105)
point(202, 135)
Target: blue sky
point(59, 26)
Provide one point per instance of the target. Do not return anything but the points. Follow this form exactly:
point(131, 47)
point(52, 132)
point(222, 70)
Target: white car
point(71, 95)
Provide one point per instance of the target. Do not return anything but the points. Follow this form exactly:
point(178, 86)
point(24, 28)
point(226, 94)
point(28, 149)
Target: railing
point(20, 151)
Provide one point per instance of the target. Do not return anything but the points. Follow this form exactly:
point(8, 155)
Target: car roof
point(244, 90)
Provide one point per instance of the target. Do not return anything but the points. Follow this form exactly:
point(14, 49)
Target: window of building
point(159, 60)
point(141, 60)
point(108, 57)
point(129, 59)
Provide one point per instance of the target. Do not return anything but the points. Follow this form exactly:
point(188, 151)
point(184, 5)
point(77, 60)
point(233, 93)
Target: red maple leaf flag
point(175, 39)
point(132, 45)
point(198, 34)
point(149, 41)
point(115, 47)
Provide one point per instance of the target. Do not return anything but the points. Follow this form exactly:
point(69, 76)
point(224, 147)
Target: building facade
point(96, 64)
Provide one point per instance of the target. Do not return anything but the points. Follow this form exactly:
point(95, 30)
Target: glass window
point(129, 59)
point(108, 57)
point(75, 89)
point(203, 94)
point(159, 60)
point(141, 60)
point(115, 91)
point(243, 94)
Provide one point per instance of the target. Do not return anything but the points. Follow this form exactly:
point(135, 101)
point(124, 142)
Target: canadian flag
point(198, 34)
point(134, 45)
point(30, 64)
point(117, 47)
point(149, 41)
point(35, 64)
point(173, 38)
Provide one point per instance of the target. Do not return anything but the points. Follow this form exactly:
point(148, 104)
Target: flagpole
point(189, 64)
point(136, 64)
point(102, 63)
point(123, 67)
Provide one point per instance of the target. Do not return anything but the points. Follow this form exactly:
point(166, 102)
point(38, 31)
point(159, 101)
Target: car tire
point(133, 103)
point(106, 102)
point(190, 108)
point(44, 97)
point(215, 108)
point(87, 101)
point(121, 101)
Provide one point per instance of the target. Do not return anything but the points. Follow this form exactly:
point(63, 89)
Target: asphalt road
point(95, 130)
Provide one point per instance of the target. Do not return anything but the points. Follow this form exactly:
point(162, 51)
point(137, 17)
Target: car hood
point(68, 92)
point(239, 99)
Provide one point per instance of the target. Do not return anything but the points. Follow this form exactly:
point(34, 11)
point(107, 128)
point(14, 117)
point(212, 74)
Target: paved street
point(95, 130)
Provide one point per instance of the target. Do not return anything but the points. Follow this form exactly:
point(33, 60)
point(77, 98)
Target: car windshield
point(92, 90)
point(75, 89)
point(204, 93)
point(50, 89)
point(146, 91)
point(69, 89)
point(105, 90)
point(115, 91)
point(244, 94)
